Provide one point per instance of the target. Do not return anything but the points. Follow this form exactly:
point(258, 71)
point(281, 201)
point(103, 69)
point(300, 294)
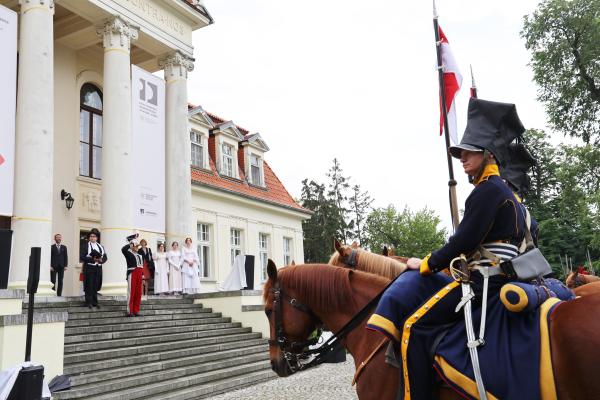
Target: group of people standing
point(177, 271)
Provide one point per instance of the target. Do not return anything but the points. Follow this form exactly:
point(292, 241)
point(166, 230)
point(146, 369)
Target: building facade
point(74, 135)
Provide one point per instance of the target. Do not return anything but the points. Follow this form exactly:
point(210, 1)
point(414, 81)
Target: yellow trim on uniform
point(425, 270)
point(489, 170)
point(413, 319)
point(523, 299)
point(385, 324)
point(462, 381)
point(519, 199)
point(547, 385)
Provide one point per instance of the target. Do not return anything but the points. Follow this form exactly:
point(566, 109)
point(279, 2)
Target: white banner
point(148, 127)
point(8, 99)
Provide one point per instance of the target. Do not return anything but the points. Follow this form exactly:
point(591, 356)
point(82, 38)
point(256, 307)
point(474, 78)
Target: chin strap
point(477, 177)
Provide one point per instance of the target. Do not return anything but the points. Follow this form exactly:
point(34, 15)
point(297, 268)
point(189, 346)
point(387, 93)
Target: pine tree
point(360, 206)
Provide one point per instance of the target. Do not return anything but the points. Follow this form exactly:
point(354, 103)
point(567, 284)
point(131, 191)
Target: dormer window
point(227, 165)
point(197, 149)
point(256, 170)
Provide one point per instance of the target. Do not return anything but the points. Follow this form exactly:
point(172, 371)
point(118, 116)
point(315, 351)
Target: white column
point(32, 221)
point(178, 157)
point(117, 166)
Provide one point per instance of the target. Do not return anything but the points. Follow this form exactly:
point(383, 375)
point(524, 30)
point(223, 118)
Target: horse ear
point(385, 251)
point(271, 270)
point(337, 245)
point(354, 245)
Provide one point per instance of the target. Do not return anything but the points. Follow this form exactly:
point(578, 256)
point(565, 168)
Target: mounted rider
point(423, 302)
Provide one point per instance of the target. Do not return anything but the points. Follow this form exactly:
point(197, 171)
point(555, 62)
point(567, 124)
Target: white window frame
point(263, 254)
point(259, 167)
point(203, 236)
point(288, 250)
point(235, 243)
point(228, 160)
point(197, 143)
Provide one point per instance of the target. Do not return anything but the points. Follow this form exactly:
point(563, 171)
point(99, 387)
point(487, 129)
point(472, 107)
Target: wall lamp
point(69, 200)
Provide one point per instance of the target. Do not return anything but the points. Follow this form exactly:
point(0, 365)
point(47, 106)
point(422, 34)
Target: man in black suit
point(93, 256)
point(58, 263)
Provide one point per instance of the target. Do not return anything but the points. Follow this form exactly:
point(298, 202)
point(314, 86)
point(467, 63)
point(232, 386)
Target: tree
point(319, 229)
point(410, 234)
point(563, 37)
point(360, 205)
point(337, 189)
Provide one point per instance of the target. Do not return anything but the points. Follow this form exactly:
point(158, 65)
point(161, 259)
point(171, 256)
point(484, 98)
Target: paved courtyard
point(329, 381)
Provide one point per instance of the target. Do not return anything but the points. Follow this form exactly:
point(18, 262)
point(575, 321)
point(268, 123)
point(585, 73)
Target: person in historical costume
point(189, 269)
point(493, 221)
point(175, 260)
point(92, 258)
point(135, 271)
point(161, 271)
point(148, 271)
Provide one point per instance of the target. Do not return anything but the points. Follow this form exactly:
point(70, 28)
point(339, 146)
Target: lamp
point(69, 200)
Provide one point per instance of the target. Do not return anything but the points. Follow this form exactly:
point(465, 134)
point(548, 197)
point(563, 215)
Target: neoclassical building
point(74, 135)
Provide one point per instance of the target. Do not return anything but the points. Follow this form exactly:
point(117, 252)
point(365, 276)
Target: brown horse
point(575, 279)
point(362, 260)
point(314, 294)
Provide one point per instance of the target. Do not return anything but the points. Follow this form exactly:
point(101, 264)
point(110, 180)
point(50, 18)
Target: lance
point(442, 90)
point(473, 87)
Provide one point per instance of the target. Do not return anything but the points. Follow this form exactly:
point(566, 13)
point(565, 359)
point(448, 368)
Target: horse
point(392, 254)
point(575, 279)
point(362, 260)
point(299, 299)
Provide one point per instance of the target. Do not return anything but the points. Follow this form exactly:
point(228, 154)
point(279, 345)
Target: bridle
point(351, 259)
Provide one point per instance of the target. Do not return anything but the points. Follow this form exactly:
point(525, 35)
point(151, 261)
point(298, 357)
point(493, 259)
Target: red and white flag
point(452, 82)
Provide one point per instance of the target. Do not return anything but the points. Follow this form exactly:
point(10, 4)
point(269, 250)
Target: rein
point(292, 351)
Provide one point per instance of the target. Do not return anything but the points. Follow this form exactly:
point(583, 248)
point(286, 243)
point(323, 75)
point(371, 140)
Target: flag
point(452, 82)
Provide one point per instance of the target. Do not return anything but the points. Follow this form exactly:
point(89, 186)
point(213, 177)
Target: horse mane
point(374, 263)
point(327, 287)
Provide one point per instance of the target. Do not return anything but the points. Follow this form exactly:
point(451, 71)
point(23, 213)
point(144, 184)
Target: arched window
point(90, 131)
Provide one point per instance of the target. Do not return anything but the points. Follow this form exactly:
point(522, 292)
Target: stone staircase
point(174, 350)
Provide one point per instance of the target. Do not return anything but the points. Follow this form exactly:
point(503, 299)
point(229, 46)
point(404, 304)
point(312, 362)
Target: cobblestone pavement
point(329, 381)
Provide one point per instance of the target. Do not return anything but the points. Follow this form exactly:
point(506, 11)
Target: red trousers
point(134, 291)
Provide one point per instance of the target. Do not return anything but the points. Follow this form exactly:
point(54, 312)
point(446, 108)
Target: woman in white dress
point(174, 258)
point(161, 271)
point(189, 268)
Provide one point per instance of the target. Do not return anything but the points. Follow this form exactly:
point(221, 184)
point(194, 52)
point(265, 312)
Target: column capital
point(117, 33)
point(176, 65)
point(27, 5)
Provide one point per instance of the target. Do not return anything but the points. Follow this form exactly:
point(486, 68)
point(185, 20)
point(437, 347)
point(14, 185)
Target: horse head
point(291, 323)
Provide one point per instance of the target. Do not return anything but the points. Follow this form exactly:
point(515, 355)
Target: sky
point(357, 81)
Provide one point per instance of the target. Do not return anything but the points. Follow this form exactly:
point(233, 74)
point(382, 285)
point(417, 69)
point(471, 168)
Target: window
point(197, 149)
point(236, 243)
point(227, 167)
point(287, 251)
point(263, 249)
point(90, 131)
point(255, 170)
point(203, 234)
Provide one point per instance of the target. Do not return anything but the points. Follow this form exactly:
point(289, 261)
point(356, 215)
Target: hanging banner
point(148, 128)
point(8, 99)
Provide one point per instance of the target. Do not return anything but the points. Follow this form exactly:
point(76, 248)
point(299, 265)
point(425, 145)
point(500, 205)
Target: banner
point(148, 133)
point(8, 99)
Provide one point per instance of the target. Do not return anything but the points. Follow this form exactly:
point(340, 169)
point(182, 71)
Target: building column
point(178, 158)
point(33, 197)
point(117, 166)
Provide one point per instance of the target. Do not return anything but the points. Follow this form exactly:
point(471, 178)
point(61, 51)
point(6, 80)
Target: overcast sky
point(356, 80)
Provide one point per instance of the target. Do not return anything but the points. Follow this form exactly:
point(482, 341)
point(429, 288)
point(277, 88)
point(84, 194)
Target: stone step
point(138, 326)
point(120, 307)
point(91, 356)
point(123, 313)
point(83, 379)
point(204, 313)
point(174, 336)
point(209, 390)
point(110, 301)
point(142, 380)
point(96, 337)
point(190, 381)
point(105, 365)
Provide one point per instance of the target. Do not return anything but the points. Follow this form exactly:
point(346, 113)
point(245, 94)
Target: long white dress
point(174, 258)
point(189, 270)
point(161, 273)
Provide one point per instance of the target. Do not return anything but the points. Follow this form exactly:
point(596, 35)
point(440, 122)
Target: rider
point(493, 219)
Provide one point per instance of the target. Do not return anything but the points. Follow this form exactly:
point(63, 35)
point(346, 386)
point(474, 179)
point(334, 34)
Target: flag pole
point(442, 91)
point(473, 86)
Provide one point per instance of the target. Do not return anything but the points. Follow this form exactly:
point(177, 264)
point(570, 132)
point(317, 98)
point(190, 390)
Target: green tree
point(563, 37)
point(410, 234)
point(320, 228)
point(360, 206)
point(337, 193)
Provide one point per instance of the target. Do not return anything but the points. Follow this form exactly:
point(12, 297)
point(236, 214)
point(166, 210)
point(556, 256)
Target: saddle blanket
point(515, 360)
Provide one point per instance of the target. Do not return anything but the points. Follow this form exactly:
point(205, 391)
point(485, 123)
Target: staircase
point(174, 350)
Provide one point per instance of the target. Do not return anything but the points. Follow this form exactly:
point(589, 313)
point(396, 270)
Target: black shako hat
point(519, 162)
point(491, 126)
